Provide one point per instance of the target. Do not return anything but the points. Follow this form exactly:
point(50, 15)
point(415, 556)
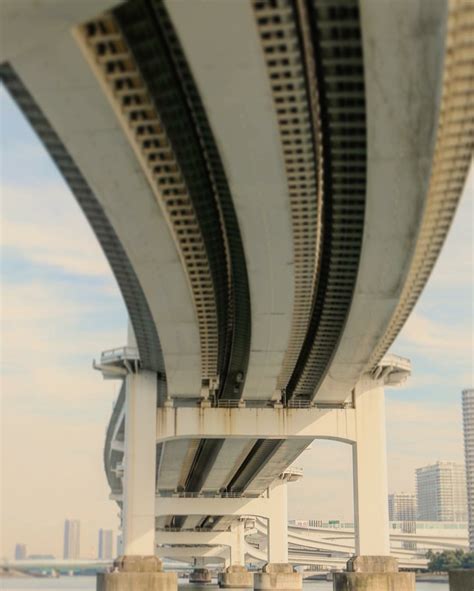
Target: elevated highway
point(271, 182)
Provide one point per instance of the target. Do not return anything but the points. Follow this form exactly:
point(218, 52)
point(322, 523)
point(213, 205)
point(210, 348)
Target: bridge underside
point(271, 182)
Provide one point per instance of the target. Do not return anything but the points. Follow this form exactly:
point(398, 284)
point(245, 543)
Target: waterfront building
point(468, 424)
point(20, 551)
point(105, 544)
point(441, 492)
point(72, 537)
point(402, 506)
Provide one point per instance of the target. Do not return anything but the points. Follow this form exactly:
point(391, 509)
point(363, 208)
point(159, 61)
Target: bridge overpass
point(271, 182)
point(316, 548)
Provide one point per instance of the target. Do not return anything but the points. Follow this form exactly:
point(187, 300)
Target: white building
point(468, 421)
point(402, 506)
point(441, 492)
point(72, 537)
point(105, 550)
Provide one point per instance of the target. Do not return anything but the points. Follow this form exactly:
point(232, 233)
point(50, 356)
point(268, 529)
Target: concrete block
point(374, 581)
point(461, 580)
point(372, 564)
point(200, 576)
point(137, 573)
point(148, 564)
point(137, 581)
point(373, 573)
point(235, 577)
point(278, 576)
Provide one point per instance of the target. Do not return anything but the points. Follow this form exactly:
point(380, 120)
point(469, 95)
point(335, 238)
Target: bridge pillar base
point(137, 573)
point(235, 577)
point(200, 576)
point(373, 573)
point(278, 576)
point(459, 580)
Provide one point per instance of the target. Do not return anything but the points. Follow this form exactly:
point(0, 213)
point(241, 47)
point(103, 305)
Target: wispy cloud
point(45, 234)
point(420, 433)
point(431, 338)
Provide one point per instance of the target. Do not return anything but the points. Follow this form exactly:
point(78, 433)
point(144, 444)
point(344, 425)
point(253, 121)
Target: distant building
point(72, 537)
point(20, 551)
point(402, 507)
point(468, 422)
point(441, 492)
point(105, 544)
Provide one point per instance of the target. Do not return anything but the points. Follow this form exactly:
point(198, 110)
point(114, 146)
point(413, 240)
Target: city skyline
point(71, 310)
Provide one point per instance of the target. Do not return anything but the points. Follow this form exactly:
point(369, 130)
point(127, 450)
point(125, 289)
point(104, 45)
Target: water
point(88, 584)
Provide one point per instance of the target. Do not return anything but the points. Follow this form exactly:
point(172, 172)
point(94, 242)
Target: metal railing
point(119, 353)
point(204, 495)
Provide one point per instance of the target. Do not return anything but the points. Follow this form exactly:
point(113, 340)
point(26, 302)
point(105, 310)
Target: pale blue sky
point(61, 307)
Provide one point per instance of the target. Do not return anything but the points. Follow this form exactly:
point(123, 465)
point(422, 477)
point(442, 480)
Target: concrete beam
point(261, 506)
point(267, 423)
point(236, 93)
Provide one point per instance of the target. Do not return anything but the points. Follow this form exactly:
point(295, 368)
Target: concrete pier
point(137, 573)
point(461, 580)
point(200, 575)
point(278, 577)
point(235, 577)
point(373, 573)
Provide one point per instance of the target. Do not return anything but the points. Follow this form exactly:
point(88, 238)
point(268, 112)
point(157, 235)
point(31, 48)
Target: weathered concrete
point(200, 575)
point(461, 580)
point(137, 573)
point(278, 576)
point(373, 573)
point(235, 577)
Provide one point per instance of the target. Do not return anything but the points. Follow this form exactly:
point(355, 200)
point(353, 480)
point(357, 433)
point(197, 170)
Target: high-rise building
point(72, 537)
point(441, 492)
point(20, 552)
point(105, 544)
point(402, 506)
point(468, 422)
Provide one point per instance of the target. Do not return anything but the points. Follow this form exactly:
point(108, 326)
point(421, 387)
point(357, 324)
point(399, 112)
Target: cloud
point(420, 433)
point(45, 233)
point(436, 339)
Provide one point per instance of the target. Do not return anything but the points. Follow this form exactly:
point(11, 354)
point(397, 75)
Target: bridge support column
point(139, 569)
point(370, 474)
point(372, 569)
point(278, 574)
point(236, 576)
point(140, 464)
point(278, 524)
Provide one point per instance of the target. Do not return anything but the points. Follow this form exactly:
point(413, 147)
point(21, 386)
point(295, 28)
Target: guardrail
point(119, 353)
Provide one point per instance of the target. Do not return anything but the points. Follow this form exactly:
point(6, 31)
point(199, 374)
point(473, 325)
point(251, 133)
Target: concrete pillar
point(237, 549)
point(461, 580)
point(138, 516)
point(370, 473)
point(235, 575)
point(373, 573)
point(278, 524)
point(278, 574)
